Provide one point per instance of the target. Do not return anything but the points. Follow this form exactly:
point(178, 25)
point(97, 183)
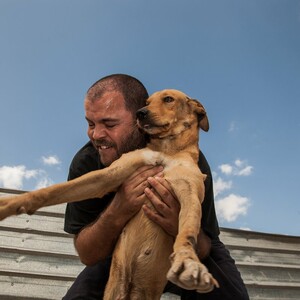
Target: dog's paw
point(189, 273)
point(152, 157)
point(13, 205)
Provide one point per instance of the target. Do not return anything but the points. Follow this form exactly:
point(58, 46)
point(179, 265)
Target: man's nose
point(99, 132)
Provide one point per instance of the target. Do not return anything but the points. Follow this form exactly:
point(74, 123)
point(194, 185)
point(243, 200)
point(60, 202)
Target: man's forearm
point(97, 241)
point(203, 245)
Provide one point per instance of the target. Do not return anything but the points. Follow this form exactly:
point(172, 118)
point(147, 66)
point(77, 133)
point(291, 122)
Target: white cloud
point(231, 207)
point(226, 169)
point(51, 160)
point(245, 171)
point(239, 163)
point(43, 182)
point(240, 168)
point(232, 126)
point(13, 176)
point(221, 185)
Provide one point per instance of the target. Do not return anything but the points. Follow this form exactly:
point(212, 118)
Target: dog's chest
point(169, 162)
point(173, 163)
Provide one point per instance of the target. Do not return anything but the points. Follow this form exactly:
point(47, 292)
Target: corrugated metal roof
point(38, 260)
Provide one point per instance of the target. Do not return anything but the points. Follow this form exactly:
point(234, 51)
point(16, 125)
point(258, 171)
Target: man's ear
point(199, 109)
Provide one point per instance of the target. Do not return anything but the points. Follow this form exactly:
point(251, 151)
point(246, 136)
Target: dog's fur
point(141, 265)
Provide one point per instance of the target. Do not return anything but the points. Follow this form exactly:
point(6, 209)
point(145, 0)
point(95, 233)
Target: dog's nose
point(142, 113)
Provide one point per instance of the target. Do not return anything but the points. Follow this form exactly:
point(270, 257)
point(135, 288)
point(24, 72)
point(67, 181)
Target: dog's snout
point(142, 113)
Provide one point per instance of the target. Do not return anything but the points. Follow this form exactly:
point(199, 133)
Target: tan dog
point(141, 257)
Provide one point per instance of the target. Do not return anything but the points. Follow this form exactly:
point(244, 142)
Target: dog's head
point(170, 112)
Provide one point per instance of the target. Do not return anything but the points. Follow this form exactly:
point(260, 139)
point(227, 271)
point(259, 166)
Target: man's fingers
point(164, 190)
point(142, 173)
point(156, 201)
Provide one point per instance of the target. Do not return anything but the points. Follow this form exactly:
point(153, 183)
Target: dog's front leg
point(91, 185)
point(187, 271)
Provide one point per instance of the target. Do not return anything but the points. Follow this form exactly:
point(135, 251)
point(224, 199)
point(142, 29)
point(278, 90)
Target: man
point(110, 107)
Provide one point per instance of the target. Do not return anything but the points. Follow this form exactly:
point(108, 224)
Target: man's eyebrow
point(104, 120)
point(88, 120)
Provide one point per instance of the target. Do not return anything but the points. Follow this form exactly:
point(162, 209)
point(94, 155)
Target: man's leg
point(172, 288)
point(90, 283)
point(221, 265)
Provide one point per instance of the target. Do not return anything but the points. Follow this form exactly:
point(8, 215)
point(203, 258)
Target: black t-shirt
point(80, 214)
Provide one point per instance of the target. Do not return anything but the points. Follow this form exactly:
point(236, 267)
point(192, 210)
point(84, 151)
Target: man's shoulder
point(203, 164)
point(84, 161)
point(87, 150)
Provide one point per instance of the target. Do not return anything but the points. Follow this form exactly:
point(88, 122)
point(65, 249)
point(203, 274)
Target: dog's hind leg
point(91, 185)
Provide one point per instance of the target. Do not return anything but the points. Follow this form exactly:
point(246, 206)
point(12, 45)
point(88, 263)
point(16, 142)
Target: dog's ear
point(200, 110)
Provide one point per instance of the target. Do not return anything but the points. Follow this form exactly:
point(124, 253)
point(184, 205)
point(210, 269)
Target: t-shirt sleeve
point(79, 214)
point(209, 222)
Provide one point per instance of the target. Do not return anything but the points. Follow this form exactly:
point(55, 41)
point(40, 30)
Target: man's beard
point(135, 140)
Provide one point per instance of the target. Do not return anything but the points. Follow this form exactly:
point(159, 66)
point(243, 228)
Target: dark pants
point(91, 282)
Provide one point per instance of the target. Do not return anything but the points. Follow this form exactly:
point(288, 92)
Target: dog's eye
point(168, 99)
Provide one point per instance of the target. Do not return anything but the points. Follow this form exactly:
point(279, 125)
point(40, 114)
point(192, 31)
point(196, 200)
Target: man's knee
point(90, 283)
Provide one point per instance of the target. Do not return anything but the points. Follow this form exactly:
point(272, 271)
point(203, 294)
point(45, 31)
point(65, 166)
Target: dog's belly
point(141, 257)
point(145, 242)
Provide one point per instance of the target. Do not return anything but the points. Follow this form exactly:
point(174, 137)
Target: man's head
point(110, 106)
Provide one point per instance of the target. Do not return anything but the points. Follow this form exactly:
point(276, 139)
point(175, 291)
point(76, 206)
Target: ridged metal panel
point(38, 260)
point(269, 263)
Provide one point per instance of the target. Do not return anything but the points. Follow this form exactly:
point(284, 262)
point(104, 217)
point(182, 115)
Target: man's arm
point(97, 240)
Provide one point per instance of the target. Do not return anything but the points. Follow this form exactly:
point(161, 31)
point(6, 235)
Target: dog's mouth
point(150, 127)
point(149, 122)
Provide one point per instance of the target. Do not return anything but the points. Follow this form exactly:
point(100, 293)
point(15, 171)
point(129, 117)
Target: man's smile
point(103, 147)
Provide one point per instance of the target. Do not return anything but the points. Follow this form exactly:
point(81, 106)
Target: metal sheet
point(38, 260)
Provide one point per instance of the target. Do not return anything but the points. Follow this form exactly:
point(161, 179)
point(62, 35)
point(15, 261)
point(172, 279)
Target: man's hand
point(166, 206)
point(130, 196)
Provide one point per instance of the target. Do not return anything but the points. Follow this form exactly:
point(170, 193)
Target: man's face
point(111, 127)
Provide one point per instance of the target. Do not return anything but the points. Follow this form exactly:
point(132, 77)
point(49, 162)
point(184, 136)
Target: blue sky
point(240, 58)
